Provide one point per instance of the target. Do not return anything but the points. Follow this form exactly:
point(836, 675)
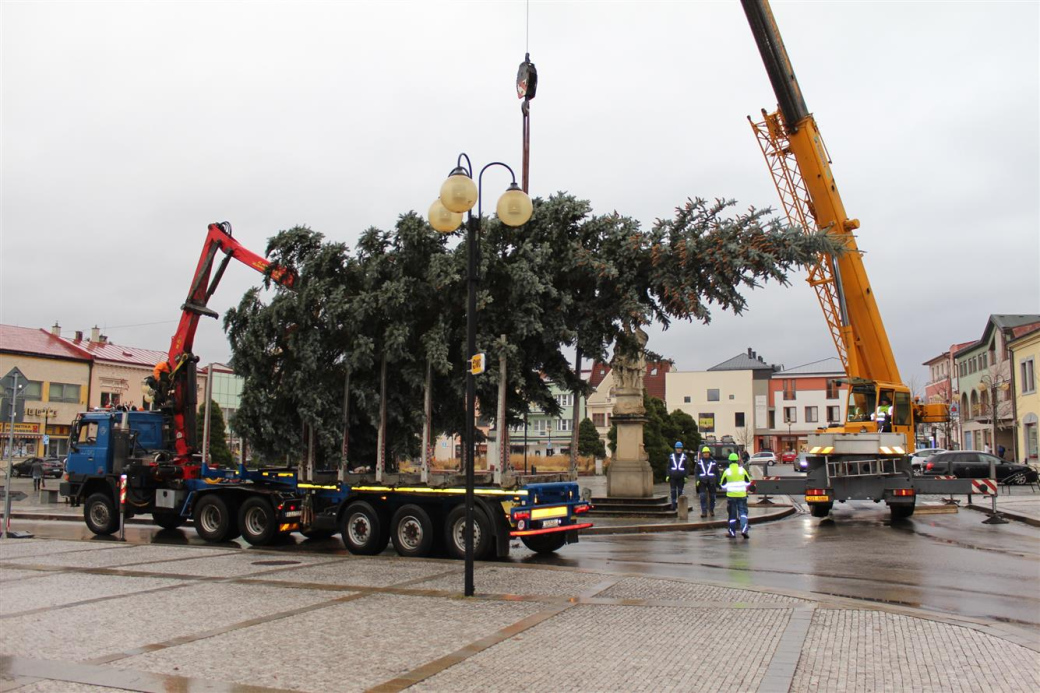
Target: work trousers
point(677, 484)
point(737, 509)
point(707, 494)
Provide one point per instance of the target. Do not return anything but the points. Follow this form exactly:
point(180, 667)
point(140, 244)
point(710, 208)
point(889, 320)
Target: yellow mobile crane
point(866, 456)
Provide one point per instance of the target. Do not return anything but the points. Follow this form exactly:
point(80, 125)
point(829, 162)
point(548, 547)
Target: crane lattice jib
point(801, 171)
point(798, 208)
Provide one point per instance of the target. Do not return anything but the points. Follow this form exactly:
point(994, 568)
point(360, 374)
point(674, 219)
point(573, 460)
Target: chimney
point(750, 353)
point(79, 335)
point(95, 333)
point(56, 329)
point(103, 339)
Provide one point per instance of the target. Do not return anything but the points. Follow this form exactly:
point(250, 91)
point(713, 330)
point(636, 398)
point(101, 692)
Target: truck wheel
point(412, 531)
point(99, 512)
point(168, 520)
point(257, 521)
point(901, 512)
point(213, 519)
point(545, 543)
point(363, 530)
point(820, 509)
point(455, 533)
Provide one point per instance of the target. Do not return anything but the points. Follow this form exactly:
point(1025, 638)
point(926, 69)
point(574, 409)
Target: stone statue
point(629, 362)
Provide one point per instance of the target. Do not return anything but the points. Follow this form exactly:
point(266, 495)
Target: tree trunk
point(381, 438)
point(427, 430)
point(343, 465)
point(502, 467)
point(574, 417)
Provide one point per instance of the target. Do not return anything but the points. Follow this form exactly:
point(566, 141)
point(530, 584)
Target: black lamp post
point(458, 194)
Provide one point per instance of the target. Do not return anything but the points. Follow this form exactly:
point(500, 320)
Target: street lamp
point(458, 194)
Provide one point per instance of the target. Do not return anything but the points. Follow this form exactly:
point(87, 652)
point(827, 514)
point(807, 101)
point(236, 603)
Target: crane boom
point(173, 383)
point(792, 145)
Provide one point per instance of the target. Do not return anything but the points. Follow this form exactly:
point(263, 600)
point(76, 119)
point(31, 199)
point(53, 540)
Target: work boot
point(745, 535)
point(731, 534)
point(704, 514)
point(713, 513)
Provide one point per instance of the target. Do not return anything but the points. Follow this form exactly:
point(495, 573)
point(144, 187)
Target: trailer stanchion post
point(122, 507)
point(994, 518)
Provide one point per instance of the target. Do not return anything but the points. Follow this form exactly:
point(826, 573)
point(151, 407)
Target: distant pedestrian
point(735, 480)
point(1000, 451)
point(707, 471)
point(37, 474)
point(987, 449)
point(677, 473)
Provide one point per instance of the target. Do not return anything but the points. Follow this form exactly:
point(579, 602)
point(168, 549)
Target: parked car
point(920, 457)
point(764, 458)
point(52, 467)
point(969, 464)
point(789, 457)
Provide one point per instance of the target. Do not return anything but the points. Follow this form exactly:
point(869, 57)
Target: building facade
point(804, 399)
point(1025, 356)
point(57, 387)
point(943, 387)
point(984, 378)
point(729, 399)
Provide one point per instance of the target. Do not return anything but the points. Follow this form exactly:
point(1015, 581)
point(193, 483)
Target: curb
point(1032, 521)
point(683, 526)
point(62, 517)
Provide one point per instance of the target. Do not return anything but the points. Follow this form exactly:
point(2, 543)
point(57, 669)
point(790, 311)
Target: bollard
point(683, 506)
point(122, 507)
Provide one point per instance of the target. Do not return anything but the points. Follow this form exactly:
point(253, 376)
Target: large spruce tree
point(567, 279)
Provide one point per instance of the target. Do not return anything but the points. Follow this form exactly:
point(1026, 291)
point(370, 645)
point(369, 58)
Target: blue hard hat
point(678, 443)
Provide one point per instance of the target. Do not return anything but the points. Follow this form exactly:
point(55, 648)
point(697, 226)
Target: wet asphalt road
point(948, 563)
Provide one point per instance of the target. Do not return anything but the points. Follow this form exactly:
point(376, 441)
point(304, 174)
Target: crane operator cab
point(887, 407)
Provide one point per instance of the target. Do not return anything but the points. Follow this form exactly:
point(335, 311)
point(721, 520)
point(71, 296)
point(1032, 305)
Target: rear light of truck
point(903, 492)
point(522, 515)
point(583, 508)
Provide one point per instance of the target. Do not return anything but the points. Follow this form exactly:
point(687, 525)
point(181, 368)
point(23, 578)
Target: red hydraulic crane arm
point(174, 380)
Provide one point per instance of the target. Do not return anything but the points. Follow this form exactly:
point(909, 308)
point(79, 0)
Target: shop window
point(64, 392)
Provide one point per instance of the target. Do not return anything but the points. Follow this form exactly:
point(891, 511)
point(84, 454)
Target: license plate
point(294, 513)
point(546, 524)
point(817, 499)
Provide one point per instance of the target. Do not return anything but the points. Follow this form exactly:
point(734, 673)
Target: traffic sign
point(955, 410)
point(476, 364)
point(13, 375)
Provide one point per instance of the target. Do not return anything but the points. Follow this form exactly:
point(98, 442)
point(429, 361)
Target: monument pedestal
point(630, 475)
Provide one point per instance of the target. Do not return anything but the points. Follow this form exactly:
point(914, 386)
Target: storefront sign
point(41, 412)
point(21, 429)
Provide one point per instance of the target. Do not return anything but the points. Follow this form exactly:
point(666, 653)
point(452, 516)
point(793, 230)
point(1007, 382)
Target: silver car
point(765, 458)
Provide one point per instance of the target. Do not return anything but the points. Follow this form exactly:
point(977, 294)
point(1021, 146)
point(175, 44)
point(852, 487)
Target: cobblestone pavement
point(100, 616)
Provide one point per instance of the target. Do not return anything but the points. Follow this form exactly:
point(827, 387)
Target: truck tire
point(169, 520)
point(99, 512)
point(455, 533)
point(901, 512)
point(364, 532)
point(412, 531)
point(257, 521)
point(820, 509)
point(545, 543)
point(214, 520)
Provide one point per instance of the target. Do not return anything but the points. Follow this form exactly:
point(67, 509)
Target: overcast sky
point(128, 126)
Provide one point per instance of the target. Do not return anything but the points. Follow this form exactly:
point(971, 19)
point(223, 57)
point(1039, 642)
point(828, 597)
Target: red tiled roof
point(116, 353)
point(37, 342)
point(1017, 332)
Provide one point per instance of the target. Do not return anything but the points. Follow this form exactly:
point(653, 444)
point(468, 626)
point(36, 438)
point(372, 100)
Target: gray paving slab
point(368, 572)
point(858, 650)
point(47, 686)
point(229, 565)
point(51, 590)
point(493, 579)
point(346, 647)
point(102, 628)
point(622, 648)
point(7, 574)
point(675, 590)
point(18, 548)
point(116, 557)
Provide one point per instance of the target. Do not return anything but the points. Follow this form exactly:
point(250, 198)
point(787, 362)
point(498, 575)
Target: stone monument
point(629, 475)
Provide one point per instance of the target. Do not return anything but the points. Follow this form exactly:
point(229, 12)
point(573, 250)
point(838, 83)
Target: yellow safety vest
point(736, 481)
